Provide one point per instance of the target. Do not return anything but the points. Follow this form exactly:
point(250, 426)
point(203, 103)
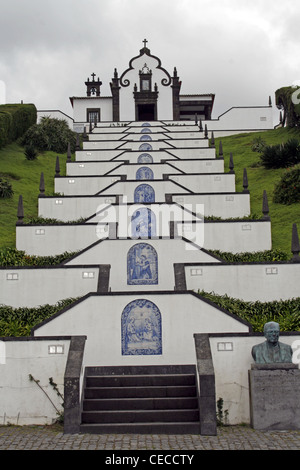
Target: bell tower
point(93, 86)
point(145, 97)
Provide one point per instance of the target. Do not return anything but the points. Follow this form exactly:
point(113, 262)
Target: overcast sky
point(240, 50)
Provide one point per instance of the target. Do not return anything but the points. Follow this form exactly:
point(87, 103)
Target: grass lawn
point(24, 176)
point(260, 179)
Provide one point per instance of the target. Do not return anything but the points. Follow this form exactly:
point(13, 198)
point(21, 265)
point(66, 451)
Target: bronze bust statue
point(272, 351)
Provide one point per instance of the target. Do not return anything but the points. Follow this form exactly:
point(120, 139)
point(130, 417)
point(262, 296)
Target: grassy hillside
point(25, 176)
point(282, 216)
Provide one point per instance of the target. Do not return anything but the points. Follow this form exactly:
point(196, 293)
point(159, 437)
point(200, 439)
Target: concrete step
point(140, 380)
point(139, 416)
point(141, 428)
point(140, 392)
point(140, 403)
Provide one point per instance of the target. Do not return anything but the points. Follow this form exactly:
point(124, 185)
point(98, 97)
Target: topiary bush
point(50, 134)
point(281, 156)
point(6, 189)
point(287, 190)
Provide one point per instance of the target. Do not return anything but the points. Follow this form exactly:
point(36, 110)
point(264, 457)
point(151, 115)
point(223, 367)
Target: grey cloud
point(48, 48)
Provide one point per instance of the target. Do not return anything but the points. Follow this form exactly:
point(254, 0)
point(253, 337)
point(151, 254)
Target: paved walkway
point(228, 438)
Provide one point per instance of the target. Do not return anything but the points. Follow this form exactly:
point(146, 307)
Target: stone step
point(140, 404)
point(140, 370)
point(148, 380)
point(140, 416)
point(140, 392)
point(141, 428)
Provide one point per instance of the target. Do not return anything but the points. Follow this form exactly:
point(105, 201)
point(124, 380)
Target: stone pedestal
point(274, 396)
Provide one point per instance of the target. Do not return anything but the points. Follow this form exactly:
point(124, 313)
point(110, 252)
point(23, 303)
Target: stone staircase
point(140, 399)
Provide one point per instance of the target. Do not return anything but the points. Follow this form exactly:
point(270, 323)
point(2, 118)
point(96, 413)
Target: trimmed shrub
point(15, 119)
point(50, 134)
point(20, 321)
point(281, 156)
point(257, 257)
point(6, 189)
point(30, 152)
point(287, 190)
point(13, 257)
point(284, 312)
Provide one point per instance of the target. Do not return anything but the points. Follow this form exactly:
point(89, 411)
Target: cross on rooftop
point(93, 75)
point(145, 42)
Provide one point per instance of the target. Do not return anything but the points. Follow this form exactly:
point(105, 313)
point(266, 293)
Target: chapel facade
point(145, 91)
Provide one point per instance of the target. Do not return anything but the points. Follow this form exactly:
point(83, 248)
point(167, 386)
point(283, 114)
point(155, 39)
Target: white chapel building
point(146, 91)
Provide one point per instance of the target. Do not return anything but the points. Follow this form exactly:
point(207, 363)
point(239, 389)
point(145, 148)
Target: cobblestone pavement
point(228, 438)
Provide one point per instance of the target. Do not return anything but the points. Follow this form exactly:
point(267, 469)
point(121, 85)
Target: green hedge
point(257, 257)
point(287, 190)
point(20, 321)
point(15, 119)
point(13, 257)
point(284, 312)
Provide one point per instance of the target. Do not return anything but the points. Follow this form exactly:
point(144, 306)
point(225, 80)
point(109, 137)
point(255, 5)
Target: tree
point(50, 134)
point(288, 100)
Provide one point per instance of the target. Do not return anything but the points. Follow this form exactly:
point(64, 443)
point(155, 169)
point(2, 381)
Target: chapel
point(145, 91)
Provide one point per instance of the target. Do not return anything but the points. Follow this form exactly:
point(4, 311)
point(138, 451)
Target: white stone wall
point(89, 155)
point(71, 208)
point(52, 240)
point(80, 105)
point(99, 318)
point(32, 287)
point(237, 237)
point(250, 282)
point(225, 206)
point(91, 185)
point(83, 185)
point(22, 402)
point(114, 253)
point(80, 168)
point(233, 237)
point(242, 119)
